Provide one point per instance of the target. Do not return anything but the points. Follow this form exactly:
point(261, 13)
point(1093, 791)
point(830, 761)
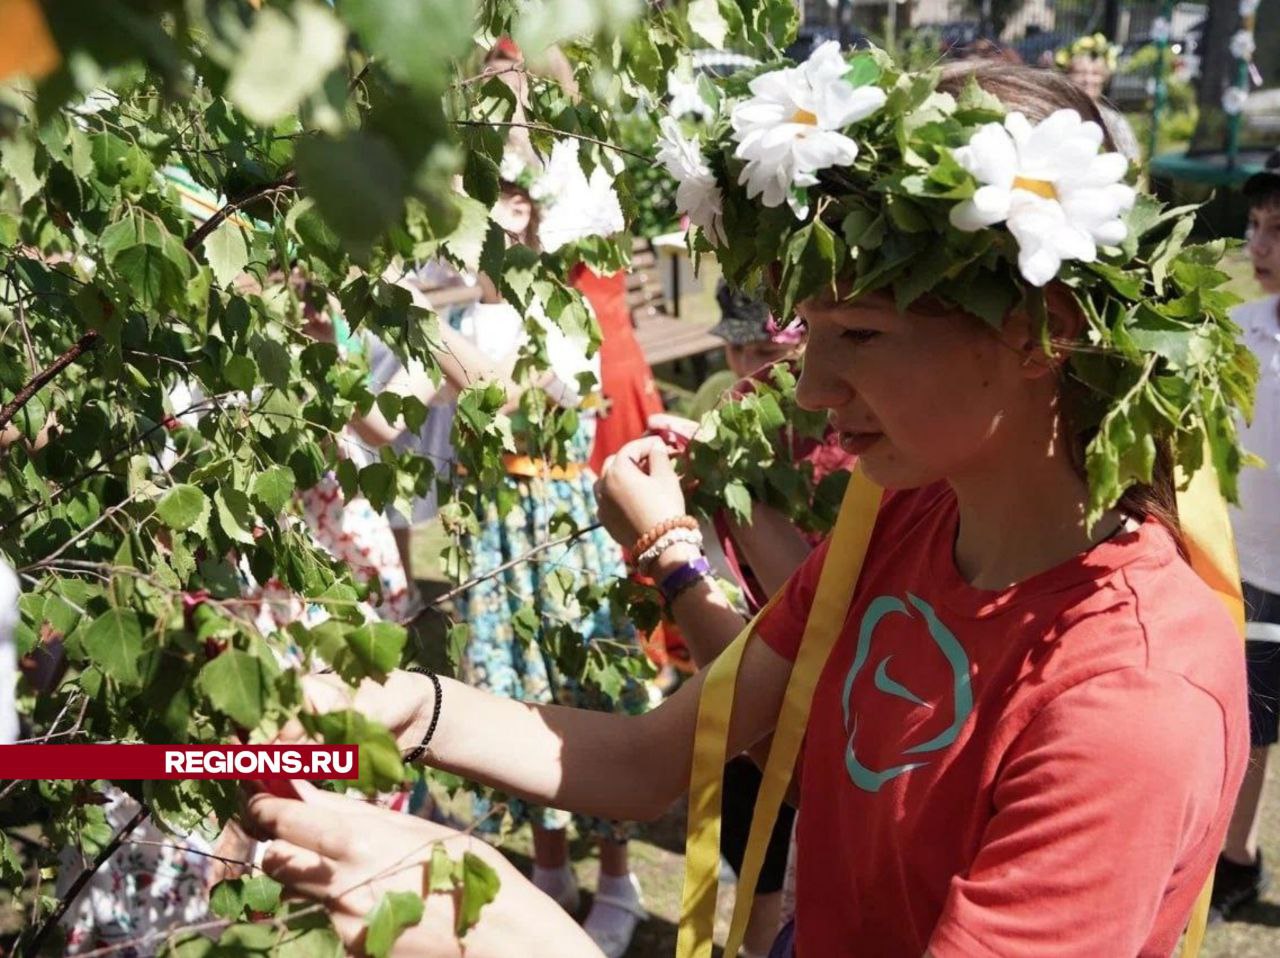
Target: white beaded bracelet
point(675, 537)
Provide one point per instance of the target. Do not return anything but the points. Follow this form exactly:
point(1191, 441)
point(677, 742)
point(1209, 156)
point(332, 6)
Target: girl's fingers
point(676, 424)
point(350, 929)
point(315, 825)
point(660, 461)
point(638, 450)
point(301, 870)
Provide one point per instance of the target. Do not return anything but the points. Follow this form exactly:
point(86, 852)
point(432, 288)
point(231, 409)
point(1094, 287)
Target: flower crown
point(852, 169)
point(1097, 47)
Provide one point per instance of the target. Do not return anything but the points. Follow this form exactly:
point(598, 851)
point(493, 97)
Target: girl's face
point(922, 396)
point(743, 359)
point(1090, 75)
point(514, 213)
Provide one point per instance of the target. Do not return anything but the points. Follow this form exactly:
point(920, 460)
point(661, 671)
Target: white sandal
point(614, 943)
point(569, 897)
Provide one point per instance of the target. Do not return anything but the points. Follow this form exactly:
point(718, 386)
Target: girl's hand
point(345, 854)
point(403, 703)
point(665, 422)
point(638, 489)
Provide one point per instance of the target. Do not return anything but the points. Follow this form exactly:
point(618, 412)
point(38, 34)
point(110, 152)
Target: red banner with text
point(313, 762)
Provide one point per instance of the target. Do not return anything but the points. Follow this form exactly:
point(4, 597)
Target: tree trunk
point(1267, 57)
point(1217, 72)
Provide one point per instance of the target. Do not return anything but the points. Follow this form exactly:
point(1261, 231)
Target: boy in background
point(1240, 877)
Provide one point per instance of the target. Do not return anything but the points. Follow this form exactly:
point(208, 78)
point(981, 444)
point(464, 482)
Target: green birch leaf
point(441, 879)
point(706, 21)
point(381, 768)
point(480, 885)
point(114, 644)
point(227, 898)
point(262, 894)
point(738, 498)
point(468, 237)
point(11, 864)
point(415, 38)
point(274, 487)
point(357, 183)
point(185, 507)
point(394, 912)
point(18, 160)
point(240, 372)
point(240, 685)
point(378, 647)
point(378, 483)
point(388, 404)
point(153, 273)
point(284, 60)
point(274, 363)
point(227, 251)
point(414, 411)
point(235, 515)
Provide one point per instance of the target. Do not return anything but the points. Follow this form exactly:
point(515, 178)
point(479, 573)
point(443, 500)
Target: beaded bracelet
point(435, 715)
point(646, 559)
point(684, 578)
point(646, 541)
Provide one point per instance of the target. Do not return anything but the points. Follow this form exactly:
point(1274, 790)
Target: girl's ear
point(1066, 325)
point(1066, 318)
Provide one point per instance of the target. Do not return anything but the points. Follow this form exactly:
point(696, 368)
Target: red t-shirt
point(1043, 770)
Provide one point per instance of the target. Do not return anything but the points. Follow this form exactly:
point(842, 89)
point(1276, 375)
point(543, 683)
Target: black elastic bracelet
point(435, 715)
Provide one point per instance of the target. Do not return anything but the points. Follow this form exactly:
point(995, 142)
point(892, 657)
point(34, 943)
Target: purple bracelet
point(683, 577)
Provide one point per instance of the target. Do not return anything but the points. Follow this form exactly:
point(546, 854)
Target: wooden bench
point(662, 335)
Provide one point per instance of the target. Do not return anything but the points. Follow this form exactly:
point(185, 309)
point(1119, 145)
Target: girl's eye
point(860, 335)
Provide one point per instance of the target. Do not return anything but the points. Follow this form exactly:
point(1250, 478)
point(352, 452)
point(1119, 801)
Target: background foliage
point(344, 140)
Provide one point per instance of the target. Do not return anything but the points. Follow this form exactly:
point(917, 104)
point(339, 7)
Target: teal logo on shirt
point(870, 779)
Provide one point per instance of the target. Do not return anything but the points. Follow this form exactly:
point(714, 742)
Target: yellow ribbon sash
point(1206, 529)
point(1207, 532)
point(836, 583)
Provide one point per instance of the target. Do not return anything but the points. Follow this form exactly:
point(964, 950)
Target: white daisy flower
point(575, 207)
point(512, 166)
point(686, 100)
point(1233, 100)
point(790, 127)
point(697, 193)
point(1058, 196)
point(1243, 45)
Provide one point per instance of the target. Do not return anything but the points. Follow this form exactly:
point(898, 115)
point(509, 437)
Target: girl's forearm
point(623, 767)
point(708, 621)
point(593, 763)
point(772, 546)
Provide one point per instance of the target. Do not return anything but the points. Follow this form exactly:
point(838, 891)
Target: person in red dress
point(630, 394)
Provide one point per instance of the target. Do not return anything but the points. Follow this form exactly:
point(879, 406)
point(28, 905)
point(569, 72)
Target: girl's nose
point(820, 386)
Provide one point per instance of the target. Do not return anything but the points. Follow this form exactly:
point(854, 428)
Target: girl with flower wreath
point(1089, 63)
point(1031, 728)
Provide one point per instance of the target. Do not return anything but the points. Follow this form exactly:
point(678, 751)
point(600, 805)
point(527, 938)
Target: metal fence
point(1029, 24)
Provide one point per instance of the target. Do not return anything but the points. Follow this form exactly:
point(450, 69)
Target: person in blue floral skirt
point(500, 659)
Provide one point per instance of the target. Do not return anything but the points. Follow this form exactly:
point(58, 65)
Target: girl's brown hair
point(1036, 94)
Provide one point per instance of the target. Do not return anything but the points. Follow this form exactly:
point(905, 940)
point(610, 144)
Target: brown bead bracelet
point(646, 541)
point(421, 748)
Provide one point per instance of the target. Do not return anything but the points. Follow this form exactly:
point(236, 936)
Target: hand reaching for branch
point(637, 490)
point(403, 703)
point(346, 854)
